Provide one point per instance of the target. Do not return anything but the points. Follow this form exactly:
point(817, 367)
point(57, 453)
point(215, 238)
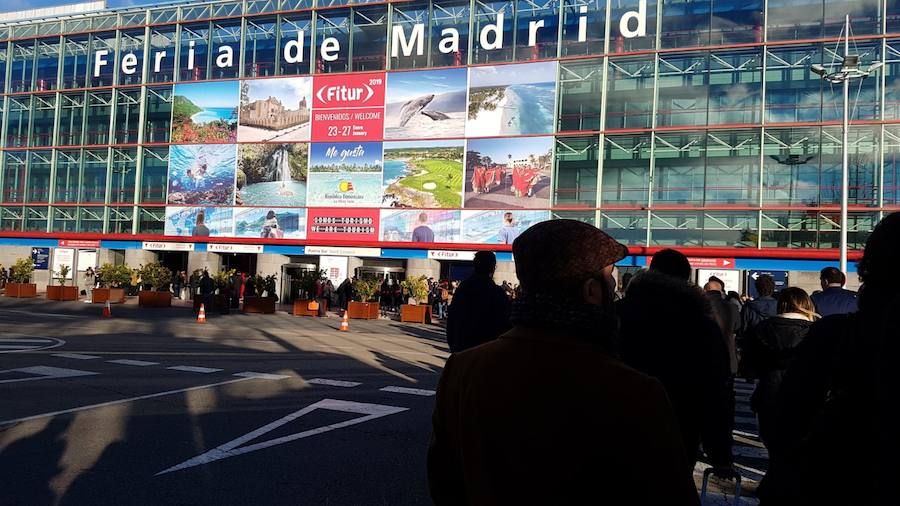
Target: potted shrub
point(19, 284)
point(61, 291)
point(306, 303)
point(265, 299)
point(113, 280)
point(367, 307)
point(155, 279)
point(417, 312)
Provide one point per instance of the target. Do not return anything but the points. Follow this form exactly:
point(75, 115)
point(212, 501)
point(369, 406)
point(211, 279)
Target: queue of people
point(578, 389)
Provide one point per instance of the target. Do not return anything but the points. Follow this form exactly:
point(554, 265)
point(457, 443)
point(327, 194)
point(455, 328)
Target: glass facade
point(687, 123)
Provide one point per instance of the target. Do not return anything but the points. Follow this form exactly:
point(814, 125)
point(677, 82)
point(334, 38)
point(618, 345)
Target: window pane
point(626, 171)
point(448, 18)
point(546, 43)
point(154, 174)
point(120, 220)
point(102, 42)
point(226, 34)
point(123, 172)
point(576, 171)
point(618, 43)
point(333, 26)
point(679, 173)
point(795, 19)
point(406, 17)
point(98, 118)
point(42, 119)
point(47, 64)
point(580, 86)
point(93, 186)
point(793, 91)
point(791, 169)
point(128, 115)
point(17, 117)
point(629, 92)
point(90, 220)
point(71, 119)
point(14, 176)
point(683, 90)
point(369, 38)
point(291, 28)
point(891, 145)
point(685, 23)
point(75, 61)
point(732, 167)
point(594, 14)
point(194, 52)
point(152, 220)
point(158, 115)
point(36, 219)
point(68, 168)
point(626, 227)
point(260, 50)
point(487, 13)
point(736, 22)
point(21, 69)
point(735, 87)
point(132, 43)
point(65, 219)
point(162, 50)
point(11, 219)
point(39, 176)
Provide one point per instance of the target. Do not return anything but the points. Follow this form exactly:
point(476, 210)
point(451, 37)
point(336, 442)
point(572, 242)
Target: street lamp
point(849, 70)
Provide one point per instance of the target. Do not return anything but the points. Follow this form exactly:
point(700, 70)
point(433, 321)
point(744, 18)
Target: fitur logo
point(343, 94)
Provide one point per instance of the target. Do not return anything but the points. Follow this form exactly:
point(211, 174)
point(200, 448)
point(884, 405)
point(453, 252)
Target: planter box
point(222, 303)
point(21, 290)
point(419, 313)
point(363, 310)
point(265, 305)
point(113, 295)
point(56, 292)
point(148, 298)
point(301, 308)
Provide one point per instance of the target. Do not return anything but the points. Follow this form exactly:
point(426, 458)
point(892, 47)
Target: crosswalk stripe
point(44, 341)
point(191, 368)
point(139, 363)
point(333, 383)
point(411, 391)
point(76, 356)
point(260, 375)
point(18, 347)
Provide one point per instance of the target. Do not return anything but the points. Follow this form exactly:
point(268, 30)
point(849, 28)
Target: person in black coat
point(836, 439)
point(769, 349)
point(480, 309)
point(668, 331)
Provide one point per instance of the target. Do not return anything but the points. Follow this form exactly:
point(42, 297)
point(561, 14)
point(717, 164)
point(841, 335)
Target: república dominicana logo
point(405, 39)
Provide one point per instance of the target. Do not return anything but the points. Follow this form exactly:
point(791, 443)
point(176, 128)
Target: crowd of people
point(575, 388)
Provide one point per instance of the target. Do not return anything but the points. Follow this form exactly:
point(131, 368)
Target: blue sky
point(212, 94)
point(505, 75)
point(519, 147)
point(402, 86)
point(289, 90)
point(21, 5)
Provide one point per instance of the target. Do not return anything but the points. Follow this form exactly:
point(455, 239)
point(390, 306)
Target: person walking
point(669, 331)
point(835, 439)
point(769, 349)
point(237, 285)
point(728, 316)
point(480, 309)
point(763, 307)
point(546, 414)
point(834, 298)
point(207, 287)
point(176, 284)
point(194, 282)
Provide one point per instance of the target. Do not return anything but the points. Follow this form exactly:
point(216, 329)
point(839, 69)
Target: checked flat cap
point(560, 254)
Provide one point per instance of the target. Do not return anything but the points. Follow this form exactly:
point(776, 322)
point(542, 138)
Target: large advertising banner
point(423, 174)
point(275, 110)
point(509, 173)
point(343, 225)
point(498, 227)
point(205, 112)
point(202, 174)
point(420, 226)
point(427, 104)
point(199, 221)
point(345, 174)
point(272, 175)
point(512, 99)
point(348, 107)
point(270, 223)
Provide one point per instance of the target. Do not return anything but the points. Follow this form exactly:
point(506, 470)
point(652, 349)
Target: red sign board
point(342, 224)
point(706, 262)
point(78, 243)
point(348, 107)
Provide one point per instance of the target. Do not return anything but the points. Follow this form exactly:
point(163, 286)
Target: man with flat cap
point(546, 414)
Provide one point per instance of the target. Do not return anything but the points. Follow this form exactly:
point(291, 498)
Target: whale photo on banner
point(427, 104)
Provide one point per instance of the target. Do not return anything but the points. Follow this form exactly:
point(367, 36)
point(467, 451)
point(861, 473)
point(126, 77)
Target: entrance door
point(241, 262)
point(291, 274)
point(173, 260)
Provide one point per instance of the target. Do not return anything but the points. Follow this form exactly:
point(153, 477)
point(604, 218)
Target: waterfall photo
point(272, 174)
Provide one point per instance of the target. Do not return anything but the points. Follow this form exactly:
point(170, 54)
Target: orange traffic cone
point(107, 311)
point(345, 323)
point(201, 317)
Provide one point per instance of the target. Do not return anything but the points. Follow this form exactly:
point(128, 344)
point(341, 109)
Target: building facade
point(690, 124)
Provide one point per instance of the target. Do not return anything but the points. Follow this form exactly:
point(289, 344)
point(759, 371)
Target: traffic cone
point(345, 323)
point(201, 317)
point(107, 311)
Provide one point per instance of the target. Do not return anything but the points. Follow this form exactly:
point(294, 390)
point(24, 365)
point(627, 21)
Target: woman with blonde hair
point(769, 350)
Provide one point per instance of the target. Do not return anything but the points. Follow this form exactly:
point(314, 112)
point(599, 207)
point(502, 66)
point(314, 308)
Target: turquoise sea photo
point(205, 112)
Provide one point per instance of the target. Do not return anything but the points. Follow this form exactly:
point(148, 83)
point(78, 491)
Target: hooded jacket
point(669, 331)
point(769, 349)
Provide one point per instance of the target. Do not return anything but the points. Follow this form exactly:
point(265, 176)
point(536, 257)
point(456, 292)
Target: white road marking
point(745, 434)
point(139, 363)
point(191, 368)
point(260, 375)
point(42, 372)
point(19, 343)
point(333, 383)
point(31, 313)
point(76, 356)
point(411, 391)
point(121, 401)
point(230, 449)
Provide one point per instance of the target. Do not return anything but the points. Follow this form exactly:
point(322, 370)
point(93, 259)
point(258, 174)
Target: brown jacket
point(538, 418)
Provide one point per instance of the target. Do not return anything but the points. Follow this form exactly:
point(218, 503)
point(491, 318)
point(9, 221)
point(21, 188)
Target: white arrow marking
point(42, 372)
point(230, 449)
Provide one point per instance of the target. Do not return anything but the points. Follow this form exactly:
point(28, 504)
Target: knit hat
point(561, 254)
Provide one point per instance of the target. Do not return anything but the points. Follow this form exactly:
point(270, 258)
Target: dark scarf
point(550, 311)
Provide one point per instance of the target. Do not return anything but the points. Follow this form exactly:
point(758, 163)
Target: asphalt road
point(149, 407)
